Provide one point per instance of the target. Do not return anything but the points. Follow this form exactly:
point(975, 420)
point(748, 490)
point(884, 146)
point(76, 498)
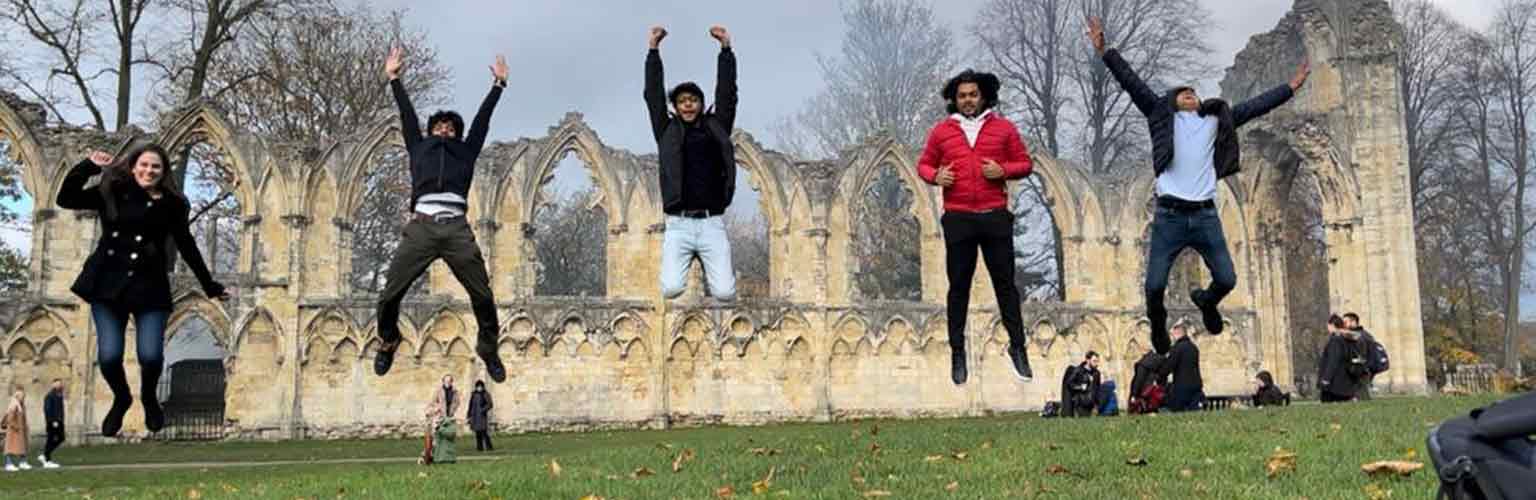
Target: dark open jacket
point(1161, 110)
point(1183, 364)
point(129, 267)
point(1080, 380)
point(1146, 373)
point(440, 165)
point(480, 410)
point(669, 132)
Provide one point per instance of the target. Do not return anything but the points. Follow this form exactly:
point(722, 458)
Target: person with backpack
point(1343, 364)
point(1080, 387)
point(1187, 392)
point(1376, 360)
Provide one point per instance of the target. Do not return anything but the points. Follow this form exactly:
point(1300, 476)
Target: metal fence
point(193, 397)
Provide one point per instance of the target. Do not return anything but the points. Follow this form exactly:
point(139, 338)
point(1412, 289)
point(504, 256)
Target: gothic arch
point(573, 135)
point(194, 304)
point(204, 122)
point(26, 148)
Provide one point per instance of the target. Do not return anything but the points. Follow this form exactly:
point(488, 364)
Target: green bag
point(444, 451)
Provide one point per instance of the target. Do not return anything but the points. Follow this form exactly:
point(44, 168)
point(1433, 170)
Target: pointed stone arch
point(574, 135)
point(204, 122)
point(16, 125)
point(196, 305)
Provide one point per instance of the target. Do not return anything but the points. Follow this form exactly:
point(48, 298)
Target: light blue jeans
point(686, 238)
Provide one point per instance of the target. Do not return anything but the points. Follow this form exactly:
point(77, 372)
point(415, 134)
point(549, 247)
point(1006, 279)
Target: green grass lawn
point(1207, 455)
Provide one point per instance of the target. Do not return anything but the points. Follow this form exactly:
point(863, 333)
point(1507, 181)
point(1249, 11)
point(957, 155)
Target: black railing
point(193, 397)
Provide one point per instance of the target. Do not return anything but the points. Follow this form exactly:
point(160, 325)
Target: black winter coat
point(1183, 364)
point(1160, 113)
point(440, 165)
point(669, 132)
point(1342, 368)
point(480, 410)
point(130, 268)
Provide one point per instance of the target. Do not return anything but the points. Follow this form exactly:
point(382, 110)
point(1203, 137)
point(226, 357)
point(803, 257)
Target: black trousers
point(424, 242)
point(992, 233)
point(55, 439)
point(1328, 397)
point(483, 441)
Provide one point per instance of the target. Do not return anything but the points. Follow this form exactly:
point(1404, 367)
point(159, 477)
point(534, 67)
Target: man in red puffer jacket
point(972, 154)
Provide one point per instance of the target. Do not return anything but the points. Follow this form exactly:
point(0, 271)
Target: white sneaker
point(50, 465)
point(11, 468)
point(25, 466)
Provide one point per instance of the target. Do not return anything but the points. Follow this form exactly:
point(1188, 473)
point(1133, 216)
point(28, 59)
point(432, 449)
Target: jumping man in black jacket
point(698, 169)
point(442, 166)
point(1194, 145)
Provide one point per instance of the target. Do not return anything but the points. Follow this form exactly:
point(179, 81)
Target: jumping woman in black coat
point(142, 216)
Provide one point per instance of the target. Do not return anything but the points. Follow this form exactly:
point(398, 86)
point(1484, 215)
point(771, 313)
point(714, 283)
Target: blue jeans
point(1174, 230)
point(111, 326)
point(705, 238)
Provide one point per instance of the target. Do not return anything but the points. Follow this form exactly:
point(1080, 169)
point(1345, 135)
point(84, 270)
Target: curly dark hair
point(686, 88)
point(988, 83)
point(450, 117)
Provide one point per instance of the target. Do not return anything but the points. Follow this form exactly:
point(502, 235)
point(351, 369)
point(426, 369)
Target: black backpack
point(1487, 454)
point(1376, 360)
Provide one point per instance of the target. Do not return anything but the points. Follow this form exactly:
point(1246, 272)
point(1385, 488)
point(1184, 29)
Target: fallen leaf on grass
point(1186, 473)
point(1280, 461)
point(591, 497)
point(1335, 427)
point(761, 487)
point(1057, 469)
point(765, 451)
point(1374, 491)
point(725, 492)
point(1411, 454)
point(874, 447)
point(952, 486)
point(1398, 467)
point(682, 458)
point(421, 474)
point(876, 493)
point(642, 472)
point(1137, 460)
point(960, 455)
point(933, 458)
point(193, 494)
point(1052, 446)
point(821, 450)
point(478, 485)
point(554, 468)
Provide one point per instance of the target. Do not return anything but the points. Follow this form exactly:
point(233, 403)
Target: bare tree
point(748, 235)
point(1508, 177)
point(66, 33)
point(14, 263)
point(212, 26)
point(378, 221)
point(886, 249)
point(1165, 40)
point(570, 235)
point(1426, 55)
point(313, 76)
point(1030, 42)
point(885, 79)
point(125, 15)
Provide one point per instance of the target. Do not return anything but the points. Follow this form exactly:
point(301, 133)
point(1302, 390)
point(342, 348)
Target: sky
point(587, 56)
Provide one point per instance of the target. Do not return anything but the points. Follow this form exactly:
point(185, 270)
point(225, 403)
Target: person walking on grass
point(53, 418)
point(480, 416)
point(15, 425)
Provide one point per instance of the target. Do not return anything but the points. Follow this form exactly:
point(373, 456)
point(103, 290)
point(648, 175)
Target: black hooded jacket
point(670, 131)
point(1160, 113)
point(1183, 364)
point(1342, 368)
point(440, 165)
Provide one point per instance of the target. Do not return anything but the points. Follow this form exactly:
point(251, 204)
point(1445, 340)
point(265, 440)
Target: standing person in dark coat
point(1188, 389)
point(1080, 388)
point(480, 416)
point(144, 218)
point(53, 417)
point(1352, 321)
point(442, 168)
point(1342, 366)
point(698, 169)
point(1194, 145)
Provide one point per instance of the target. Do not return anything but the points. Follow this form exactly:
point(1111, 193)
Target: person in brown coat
point(15, 424)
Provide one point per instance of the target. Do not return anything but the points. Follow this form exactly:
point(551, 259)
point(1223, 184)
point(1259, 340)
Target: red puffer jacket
point(972, 192)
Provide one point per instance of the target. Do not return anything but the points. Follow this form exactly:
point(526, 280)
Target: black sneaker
point(1208, 312)
point(1018, 354)
point(384, 358)
point(492, 359)
point(1160, 341)
point(154, 417)
point(114, 419)
point(957, 370)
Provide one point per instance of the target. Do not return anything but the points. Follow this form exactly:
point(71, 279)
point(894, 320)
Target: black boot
point(149, 385)
point(1019, 358)
point(122, 398)
point(493, 367)
point(1209, 315)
